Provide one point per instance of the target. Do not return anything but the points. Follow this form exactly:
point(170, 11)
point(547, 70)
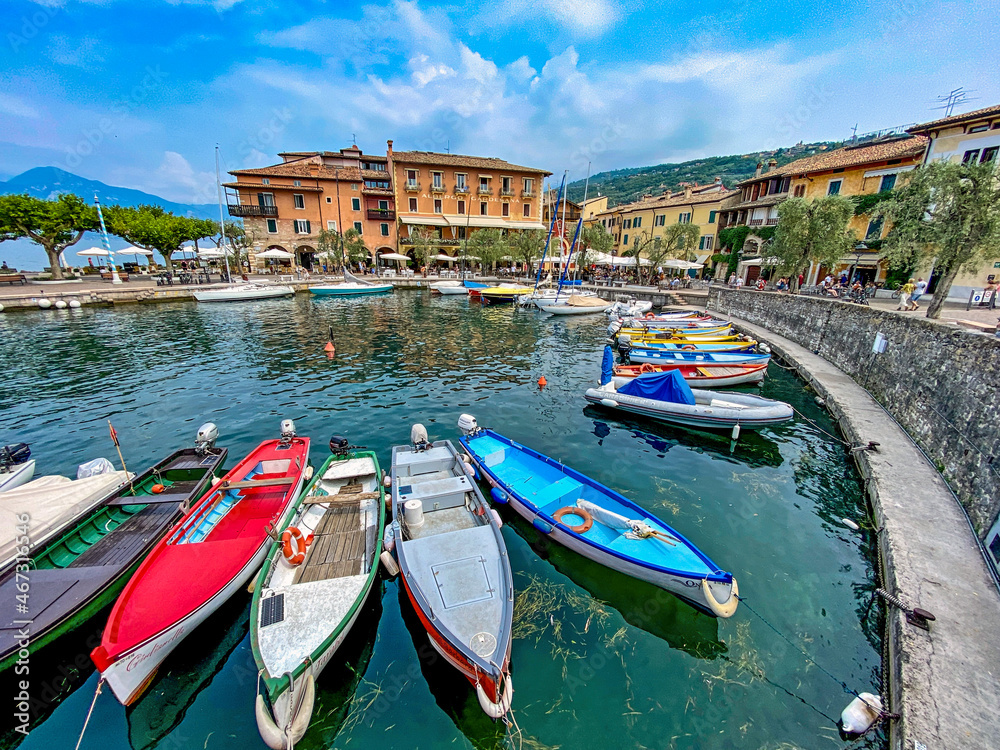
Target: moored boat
point(312, 587)
point(454, 565)
point(693, 345)
point(81, 566)
point(502, 295)
point(211, 553)
point(573, 305)
point(449, 288)
point(597, 522)
point(16, 466)
point(701, 375)
point(243, 293)
point(351, 286)
point(687, 356)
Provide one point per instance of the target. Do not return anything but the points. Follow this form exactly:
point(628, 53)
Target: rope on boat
point(86, 721)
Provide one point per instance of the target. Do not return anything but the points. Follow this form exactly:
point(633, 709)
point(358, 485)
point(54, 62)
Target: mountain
point(626, 185)
point(48, 182)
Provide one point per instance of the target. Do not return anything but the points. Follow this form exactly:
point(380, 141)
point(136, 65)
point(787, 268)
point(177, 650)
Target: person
point(760, 284)
point(739, 282)
point(782, 286)
point(918, 293)
point(802, 279)
point(904, 295)
point(732, 279)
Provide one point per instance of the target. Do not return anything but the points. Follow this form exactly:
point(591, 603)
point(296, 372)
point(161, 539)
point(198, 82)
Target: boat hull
point(702, 416)
point(337, 290)
point(661, 356)
point(748, 375)
point(243, 294)
point(19, 474)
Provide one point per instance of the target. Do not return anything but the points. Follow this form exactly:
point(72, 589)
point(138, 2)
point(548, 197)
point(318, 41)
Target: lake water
point(599, 660)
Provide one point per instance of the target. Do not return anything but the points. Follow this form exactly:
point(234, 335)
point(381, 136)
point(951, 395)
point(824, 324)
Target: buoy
point(60, 304)
point(499, 496)
point(736, 431)
point(861, 713)
point(330, 349)
point(389, 563)
point(44, 303)
point(542, 382)
point(850, 524)
point(156, 489)
point(387, 481)
point(75, 304)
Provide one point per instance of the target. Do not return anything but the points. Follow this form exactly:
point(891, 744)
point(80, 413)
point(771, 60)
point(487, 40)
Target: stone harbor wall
point(941, 384)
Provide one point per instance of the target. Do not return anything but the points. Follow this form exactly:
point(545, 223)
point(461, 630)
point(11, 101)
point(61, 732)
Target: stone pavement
point(945, 684)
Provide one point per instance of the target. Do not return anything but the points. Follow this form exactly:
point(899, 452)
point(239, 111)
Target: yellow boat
point(502, 295)
point(657, 337)
point(720, 330)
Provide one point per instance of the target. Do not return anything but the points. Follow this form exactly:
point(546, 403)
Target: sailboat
point(237, 292)
point(352, 286)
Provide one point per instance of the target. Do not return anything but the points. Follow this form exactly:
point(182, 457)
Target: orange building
point(453, 195)
point(286, 205)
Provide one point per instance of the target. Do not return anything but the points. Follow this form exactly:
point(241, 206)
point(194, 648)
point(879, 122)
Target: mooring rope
point(86, 721)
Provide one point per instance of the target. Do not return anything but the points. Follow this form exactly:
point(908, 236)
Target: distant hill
point(48, 182)
point(626, 185)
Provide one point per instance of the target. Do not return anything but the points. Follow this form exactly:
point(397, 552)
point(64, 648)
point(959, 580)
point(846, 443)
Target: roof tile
point(458, 160)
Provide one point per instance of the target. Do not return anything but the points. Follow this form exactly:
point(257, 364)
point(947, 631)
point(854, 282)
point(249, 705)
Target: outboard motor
point(467, 424)
point(205, 439)
point(287, 431)
point(339, 446)
point(418, 437)
point(14, 454)
point(625, 349)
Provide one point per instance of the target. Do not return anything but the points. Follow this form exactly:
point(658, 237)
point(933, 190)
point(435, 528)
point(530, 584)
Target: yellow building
point(970, 137)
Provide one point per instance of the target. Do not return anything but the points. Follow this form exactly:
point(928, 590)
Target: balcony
point(772, 222)
point(461, 189)
point(507, 192)
point(484, 190)
point(755, 222)
point(437, 187)
point(236, 209)
point(381, 214)
point(414, 186)
point(527, 193)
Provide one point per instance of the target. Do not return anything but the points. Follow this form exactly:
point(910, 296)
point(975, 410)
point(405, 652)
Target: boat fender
point(736, 431)
point(543, 526)
point(389, 563)
point(273, 737)
point(389, 539)
point(308, 474)
point(496, 517)
point(721, 610)
point(861, 713)
point(470, 469)
point(386, 481)
point(609, 402)
point(499, 496)
point(496, 710)
point(303, 715)
point(572, 510)
point(156, 489)
point(294, 545)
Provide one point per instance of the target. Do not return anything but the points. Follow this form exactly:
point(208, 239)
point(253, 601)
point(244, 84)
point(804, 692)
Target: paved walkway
point(946, 683)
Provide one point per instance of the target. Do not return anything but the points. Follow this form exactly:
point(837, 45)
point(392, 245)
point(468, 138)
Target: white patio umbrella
point(393, 256)
point(276, 254)
point(187, 249)
point(135, 252)
point(444, 257)
point(211, 253)
point(93, 252)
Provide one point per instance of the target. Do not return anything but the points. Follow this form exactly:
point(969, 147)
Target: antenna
point(953, 99)
point(854, 132)
point(354, 139)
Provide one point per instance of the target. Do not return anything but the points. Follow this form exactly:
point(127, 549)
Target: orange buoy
point(156, 489)
point(542, 382)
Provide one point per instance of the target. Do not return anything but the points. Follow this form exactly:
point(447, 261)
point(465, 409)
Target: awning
point(700, 260)
point(464, 220)
point(432, 221)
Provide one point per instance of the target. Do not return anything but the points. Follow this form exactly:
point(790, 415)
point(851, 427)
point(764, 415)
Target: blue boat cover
point(607, 365)
point(663, 386)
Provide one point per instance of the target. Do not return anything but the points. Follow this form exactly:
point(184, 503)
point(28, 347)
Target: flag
point(114, 434)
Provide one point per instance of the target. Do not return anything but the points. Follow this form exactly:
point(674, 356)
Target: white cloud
point(12, 105)
point(579, 17)
point(425, 71)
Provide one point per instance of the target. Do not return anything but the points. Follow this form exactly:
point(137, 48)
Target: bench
point(106, 275)
point(13, 278)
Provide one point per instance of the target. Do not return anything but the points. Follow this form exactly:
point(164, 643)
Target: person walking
point(904, 295)
point(918, 293)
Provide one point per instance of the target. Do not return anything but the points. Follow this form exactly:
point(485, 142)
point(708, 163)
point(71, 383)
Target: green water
point(599, 660)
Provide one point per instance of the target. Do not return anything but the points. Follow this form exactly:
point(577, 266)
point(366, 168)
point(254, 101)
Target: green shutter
point(711, 217)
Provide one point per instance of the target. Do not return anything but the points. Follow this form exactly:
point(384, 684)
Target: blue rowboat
point(663, 356)
point(694, 345)
point(597, 522)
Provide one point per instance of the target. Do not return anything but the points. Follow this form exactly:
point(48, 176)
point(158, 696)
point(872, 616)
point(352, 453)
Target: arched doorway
point(305, 256)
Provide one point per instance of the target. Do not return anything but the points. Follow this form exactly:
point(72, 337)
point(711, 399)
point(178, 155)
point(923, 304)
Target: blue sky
point(138, 93)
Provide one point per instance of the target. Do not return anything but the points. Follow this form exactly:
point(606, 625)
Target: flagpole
point(115, 279)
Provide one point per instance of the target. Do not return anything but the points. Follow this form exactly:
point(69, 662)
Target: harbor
point(581, 633)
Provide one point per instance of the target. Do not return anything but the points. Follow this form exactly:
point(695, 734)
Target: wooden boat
point(16, 466)
point(502, 295)
point(703, 375)
point(454, 565)
point(211, 553)
point(693, 345)
point(573, 305)
point(305, 604)
point(667, 397)
point(597, 522)
point(704, 336)
point(243, 293)
point(686, 356)
point(474, 288)
point(659, 331)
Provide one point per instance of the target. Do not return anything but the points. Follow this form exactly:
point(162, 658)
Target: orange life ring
point(689, 347)
point(649, 316)
point(572, 510)
point(647, 368)
point(293, 537)
point(156, 489)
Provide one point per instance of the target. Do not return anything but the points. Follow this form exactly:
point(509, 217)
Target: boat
point(312, 587)
point(674, 336)
point(574, 304)
point(474, 287)
point(679, 324)
point(352, 286)
point(702, 375)
point(502, 295)
point(16, 466)
point(687, 356)
point(243, 293)
point(677, 317)
point(693, 345)
point(211, 553)
point(449, 287)
point(597, 522)
point(454, 565)
point(629, 307)
point(100, 529)
point(667, 397)
point(673, 330)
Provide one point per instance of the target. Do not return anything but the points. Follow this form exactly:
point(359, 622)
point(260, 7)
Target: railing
point(236, 209)
point(461, 188)
point(381, 213)
point(772, 222)
point(509, 192)
point(485, 190)
point(437, 187)
point(527, 193)
point(755, 222)
point(412, 185)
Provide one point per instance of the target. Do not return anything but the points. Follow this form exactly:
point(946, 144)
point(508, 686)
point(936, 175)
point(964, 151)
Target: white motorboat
point(16, 466)
point(449, 287)
point(243, 292)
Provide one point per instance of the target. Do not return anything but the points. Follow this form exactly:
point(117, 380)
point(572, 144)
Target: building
point(592, 207)
point(286, 205)
point(863, 168)
point(971, 137)
point(453, 195)
point(631, 223)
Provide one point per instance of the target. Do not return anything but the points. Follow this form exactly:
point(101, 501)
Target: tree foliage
point(55, 224)
point(424, 245)
point(945, 212)
point(489, 245)
point(595, 240)
point(153, 228)
point(527, 245)
point(812, 232)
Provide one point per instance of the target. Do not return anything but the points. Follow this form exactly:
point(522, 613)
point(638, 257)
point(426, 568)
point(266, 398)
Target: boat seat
point(414, 463)
point(494, 458)
point(564, 492)
point(436, 493)
point(723, 404)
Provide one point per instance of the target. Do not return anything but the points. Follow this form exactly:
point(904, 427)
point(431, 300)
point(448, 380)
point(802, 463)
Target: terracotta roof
point(302, 169)
point(266, 188)
point(457, 160)
point(335, 154)
point(976, 114)
point(849, 156)
point(679, 199)
point(375, 174)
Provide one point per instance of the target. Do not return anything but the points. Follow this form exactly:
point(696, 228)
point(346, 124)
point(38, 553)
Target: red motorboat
point(210, 554)
point(702, 375)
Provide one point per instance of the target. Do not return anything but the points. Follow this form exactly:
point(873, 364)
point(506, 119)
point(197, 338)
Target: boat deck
point(121, 547)
point(338, 547)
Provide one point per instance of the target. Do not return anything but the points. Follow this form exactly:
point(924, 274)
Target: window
point(834, 187)
point(637, 221)
point(484, 184)
point(971, 157)
point(377, 184)
point(785, 182)
point(265, 199)
point(384, 229)
point(461, 233)
point(272, 226)
point(628, 224)
point(329, 199)
point(461, 207)
point(437, 180)
point(705, 242)
point(413, 205)
point(888, 183)
point(527, 209)
point(461, 184)
point(874, 229)
point(989, 154)
point(411, 178)
point(354, 186)
point(684, 218)
point(296, 183)
point(660, 221)
point(978, 128)
point(482, 208)
point(711, 214)
point(300, 201)
point(383, 205)
point(357, 227)
point(625, 240)
point(709, 241)
point(800, 190)
point(265, 180)
point(505, 210)
point(529, 186)
point(437, 206)
point(355, 204)
point(331, 225)
point(505, 188)
point(302, 226)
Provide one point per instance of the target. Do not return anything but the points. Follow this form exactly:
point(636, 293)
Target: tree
point(355, 248)
point(526, 246)
point(946, 212)
point(424, 246)
point(55, 224)
point(489, 245)
point(240, 240)
point(812, 232)
point(328, 247)
point(153, 228)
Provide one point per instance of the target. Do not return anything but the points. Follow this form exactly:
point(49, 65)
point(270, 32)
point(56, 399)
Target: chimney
point(718, 180)
point(388, 148)
point(760, 166)
point(313, 169)
point(772, 165)
point(687, 192)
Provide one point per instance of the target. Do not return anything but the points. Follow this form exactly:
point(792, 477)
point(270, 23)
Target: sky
point(138, 93)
